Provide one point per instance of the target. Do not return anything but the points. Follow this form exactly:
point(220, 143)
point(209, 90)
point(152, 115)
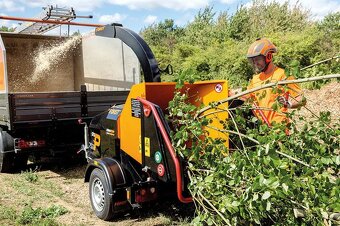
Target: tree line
point(214, 45)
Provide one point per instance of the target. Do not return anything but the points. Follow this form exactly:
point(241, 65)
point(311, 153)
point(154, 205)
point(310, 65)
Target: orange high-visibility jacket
point(265, 98)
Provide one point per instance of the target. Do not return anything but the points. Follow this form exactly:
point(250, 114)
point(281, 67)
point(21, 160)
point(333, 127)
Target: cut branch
point(283, 82)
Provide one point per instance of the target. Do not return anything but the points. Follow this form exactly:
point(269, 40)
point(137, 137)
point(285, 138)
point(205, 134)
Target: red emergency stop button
point(160, 170)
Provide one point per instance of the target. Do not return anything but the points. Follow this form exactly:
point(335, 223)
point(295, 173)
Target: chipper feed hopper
point(131, 159)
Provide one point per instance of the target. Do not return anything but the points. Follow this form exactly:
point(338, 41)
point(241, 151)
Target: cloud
point(151, 4)
point(11, 6)
point(185, 19)
point(228, 2)
point(107, 19)
point(150, 19)
point(318, 8)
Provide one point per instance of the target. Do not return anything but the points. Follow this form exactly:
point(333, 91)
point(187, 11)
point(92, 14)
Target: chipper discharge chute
point(130, 154)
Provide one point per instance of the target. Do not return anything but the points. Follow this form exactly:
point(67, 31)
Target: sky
point(137, 14)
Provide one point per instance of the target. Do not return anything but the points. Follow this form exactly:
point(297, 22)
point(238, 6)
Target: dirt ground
point(325, 99)
point(64, 186)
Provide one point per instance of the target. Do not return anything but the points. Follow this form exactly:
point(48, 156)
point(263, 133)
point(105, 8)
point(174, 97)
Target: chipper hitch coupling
point(86, 146)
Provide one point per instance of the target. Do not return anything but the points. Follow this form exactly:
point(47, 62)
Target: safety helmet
point(262, 47)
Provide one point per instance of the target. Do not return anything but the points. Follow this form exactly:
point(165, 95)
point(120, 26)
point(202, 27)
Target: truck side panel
point(31, 108)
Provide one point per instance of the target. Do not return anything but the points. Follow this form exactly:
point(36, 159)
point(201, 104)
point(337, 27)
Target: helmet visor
point(258, 63)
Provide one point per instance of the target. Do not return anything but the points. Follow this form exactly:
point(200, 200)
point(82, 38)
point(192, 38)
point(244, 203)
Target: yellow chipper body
point(130, 155)
point(130, 125)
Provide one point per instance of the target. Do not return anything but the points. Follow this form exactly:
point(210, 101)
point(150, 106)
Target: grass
point(27, 199)
point(24, 185)
point(40, 216)
point(53, 188)
point(30, 176)
point(7, 213)
point(29, 189)
point(31, 216)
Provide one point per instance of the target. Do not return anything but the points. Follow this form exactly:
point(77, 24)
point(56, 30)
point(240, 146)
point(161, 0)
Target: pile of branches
point(265, 176)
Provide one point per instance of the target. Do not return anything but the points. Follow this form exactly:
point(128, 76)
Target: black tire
point(6, 162)
point(100, 200)
point(7, 156)
point(11, 162)
point(20, 161)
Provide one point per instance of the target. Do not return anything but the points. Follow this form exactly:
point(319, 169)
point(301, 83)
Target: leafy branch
point(264, 176)
point(273, 84)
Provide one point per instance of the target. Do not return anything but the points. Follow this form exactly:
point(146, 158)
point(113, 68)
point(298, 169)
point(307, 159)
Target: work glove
point(284, 101)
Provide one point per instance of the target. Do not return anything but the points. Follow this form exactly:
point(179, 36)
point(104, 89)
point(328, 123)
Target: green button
point(158, 157)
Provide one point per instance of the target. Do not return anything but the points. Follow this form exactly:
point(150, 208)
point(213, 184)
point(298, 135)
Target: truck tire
point(6, 162)
point(11, 162)
point(6, 152)
point(101, 201)
point(20, 161)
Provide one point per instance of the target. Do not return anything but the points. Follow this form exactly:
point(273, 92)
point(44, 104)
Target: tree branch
point(283, 82)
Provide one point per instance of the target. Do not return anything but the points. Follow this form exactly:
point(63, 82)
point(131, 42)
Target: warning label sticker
point(135, 108)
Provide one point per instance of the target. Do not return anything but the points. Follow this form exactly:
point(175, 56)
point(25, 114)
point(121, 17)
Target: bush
point(215, 47)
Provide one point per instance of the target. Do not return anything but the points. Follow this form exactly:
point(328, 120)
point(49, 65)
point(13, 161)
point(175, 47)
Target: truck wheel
point(20, 161)
point(6, 162)
point(101, 202)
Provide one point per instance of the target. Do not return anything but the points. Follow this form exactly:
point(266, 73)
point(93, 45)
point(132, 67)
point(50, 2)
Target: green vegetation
point(214, 46)
point(30, 176)
point(41, 216)
point(24, 197)
point(7, 29)
point(265, 177)
point(24, 185)
point(7, 213)
point(32, 216)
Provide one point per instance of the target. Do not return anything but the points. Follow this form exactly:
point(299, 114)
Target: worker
point(260, 56)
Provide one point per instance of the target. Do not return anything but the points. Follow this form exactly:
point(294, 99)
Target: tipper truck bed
point(48, 83)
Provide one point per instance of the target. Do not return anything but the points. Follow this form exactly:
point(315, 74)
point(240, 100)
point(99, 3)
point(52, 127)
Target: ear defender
point(269, 57)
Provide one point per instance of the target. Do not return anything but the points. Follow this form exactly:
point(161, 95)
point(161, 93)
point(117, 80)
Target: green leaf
point(337, 160)
point(285, 187)
point(209, 179)
point(235, 203)
point(275, 106)
point(266, 195)
point(268, 205)
point(267, 149)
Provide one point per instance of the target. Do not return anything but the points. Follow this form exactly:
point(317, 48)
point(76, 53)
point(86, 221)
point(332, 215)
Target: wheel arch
point(113, 172)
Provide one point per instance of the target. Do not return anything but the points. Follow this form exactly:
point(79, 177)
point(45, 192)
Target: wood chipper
point(131, 159)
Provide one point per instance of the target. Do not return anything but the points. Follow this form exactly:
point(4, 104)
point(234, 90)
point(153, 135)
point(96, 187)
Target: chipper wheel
point(101, 202)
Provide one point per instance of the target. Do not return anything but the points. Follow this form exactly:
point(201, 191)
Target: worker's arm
point(233, 92)
point(298, 101)
point(292, 103)
point(293, 97)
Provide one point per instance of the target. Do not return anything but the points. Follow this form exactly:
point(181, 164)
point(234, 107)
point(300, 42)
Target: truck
point(48, 83)
point(131, 159)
